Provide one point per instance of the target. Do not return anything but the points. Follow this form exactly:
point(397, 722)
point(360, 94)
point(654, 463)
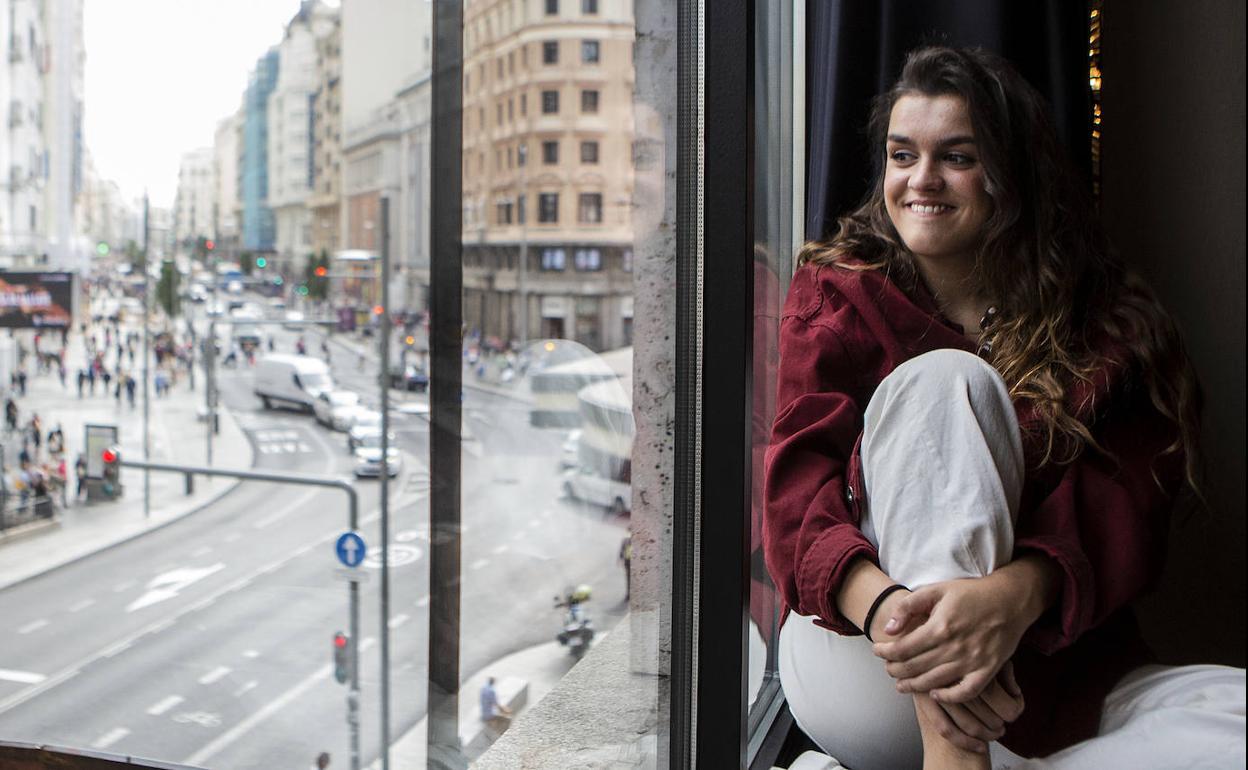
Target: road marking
point(82, 605)
point(166, 585)
point(480, 563)
point(245, 688)
point(22, 677)
point(110, 737)
point(397, 620)
point(162, 706)
point(423, 601)
point(224, 740)
point(214, 674)
point(66, 674)
point(202, 551)
point(33, 626)
point(498, 549)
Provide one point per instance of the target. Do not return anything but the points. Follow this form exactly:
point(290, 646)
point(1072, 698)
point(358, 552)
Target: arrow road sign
point(350, 549)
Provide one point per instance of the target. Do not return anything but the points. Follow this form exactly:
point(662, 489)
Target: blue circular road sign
point(350, 549)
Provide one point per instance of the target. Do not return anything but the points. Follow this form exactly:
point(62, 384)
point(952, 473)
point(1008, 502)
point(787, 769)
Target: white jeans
point(943, 470)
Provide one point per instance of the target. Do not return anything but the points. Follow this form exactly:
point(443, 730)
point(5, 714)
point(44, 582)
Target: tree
point(247, 262)
point(134, 255)
point(167, 287)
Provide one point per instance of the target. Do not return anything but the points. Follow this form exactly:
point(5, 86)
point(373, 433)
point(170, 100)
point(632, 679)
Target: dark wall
point(1173, 202)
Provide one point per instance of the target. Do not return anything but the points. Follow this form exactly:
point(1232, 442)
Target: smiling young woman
point(982, 421)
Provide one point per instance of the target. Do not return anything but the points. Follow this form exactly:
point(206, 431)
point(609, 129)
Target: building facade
point(547, 171)
point(195, 202)
point(253, 156)
point(23, 149)
point(324, 198)
point(62, 127)
point(225, 205)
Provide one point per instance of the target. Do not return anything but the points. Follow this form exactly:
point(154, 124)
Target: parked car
point(363, 422)
point(581, 483)
point(335, 409)
point(409, 378)
point(294, 380)
point(368, 456)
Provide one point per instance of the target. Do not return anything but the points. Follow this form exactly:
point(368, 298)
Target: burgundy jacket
point(1103, 523)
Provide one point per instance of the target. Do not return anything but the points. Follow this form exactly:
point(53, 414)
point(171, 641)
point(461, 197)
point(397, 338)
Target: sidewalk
point(177, 436)
point(537, 670)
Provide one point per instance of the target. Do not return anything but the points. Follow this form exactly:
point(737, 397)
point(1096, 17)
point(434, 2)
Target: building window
point(589, 51)
point(589, 100)
point(500, 67)
point(552, 7)
point(587, 259)
point(524, 105)
point(550, 52)
point(589, 208)
point(511, 109)
point(589, 7)
point(626, 260)
point(589, 152)
point(554, 259)
point(504, 213)
point(548, 208)
point(522, 154)
point(550, 102)
point(550, 153)
point(498, 113)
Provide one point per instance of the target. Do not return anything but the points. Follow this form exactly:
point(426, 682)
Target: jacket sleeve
point(810, 529)
point(1105, 524)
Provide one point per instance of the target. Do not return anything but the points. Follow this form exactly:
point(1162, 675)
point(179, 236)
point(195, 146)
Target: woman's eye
point(959, 159)
point(901, 156)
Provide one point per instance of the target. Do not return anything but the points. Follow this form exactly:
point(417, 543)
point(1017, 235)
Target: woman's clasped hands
point(950, 645)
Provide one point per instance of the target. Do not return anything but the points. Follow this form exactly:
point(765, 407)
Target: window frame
point(550, 96)
point(591, 45)
point(588, 144)
point(592, 98)
point(548, 208)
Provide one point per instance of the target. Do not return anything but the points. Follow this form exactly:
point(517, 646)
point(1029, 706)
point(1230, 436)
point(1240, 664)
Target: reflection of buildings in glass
point(253, 154)
point(547, 171)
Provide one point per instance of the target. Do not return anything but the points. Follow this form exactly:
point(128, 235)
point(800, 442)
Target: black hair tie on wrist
point(875, 606)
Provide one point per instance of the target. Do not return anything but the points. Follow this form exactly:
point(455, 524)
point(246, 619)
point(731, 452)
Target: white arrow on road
point(168, 584)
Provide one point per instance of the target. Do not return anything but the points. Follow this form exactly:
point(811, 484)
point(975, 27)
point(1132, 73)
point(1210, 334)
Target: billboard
point(36, 300)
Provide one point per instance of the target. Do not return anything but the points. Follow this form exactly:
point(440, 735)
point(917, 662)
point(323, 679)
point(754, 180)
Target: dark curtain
point(855, 50)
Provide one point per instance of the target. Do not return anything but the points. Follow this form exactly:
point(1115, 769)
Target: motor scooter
point(577, 632)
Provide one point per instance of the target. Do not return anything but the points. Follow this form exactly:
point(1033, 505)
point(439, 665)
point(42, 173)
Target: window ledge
point(599, 715)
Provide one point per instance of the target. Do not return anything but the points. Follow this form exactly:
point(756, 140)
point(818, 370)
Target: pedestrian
point(130, 383)
point(82, 381)
point(322, 760)
point(56, 441)
point(494, 715)
point(21, 381)
point(60, 371)
point(91, 379)
point(35, 429)
point(10, 415)
point(80, 470)
point(626, 558)
point(107, 377)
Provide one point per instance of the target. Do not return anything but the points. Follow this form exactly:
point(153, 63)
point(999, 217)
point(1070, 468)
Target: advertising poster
point(36, 300)
point(98, 438)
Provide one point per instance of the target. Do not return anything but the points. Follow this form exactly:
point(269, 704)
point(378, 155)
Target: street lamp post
point(522, 273)
point(147, 405)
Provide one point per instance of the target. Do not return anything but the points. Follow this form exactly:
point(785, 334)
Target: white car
point(335, 409)
point(581, 483)
point(293, 319)
point(368, 456)
point(569, 453)
point(364, 422)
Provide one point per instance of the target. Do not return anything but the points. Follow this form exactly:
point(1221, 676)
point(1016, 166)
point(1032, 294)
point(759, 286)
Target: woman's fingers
point(919, 664)
point(1003, 703)
point(986, 716)
point(972, 685)
point(1006, 679)
point(932, 717)
point(970, 724)
point(943, 675)
point(911, 611)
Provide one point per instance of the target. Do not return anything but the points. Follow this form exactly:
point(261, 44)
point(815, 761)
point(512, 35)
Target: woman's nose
point(926, 176)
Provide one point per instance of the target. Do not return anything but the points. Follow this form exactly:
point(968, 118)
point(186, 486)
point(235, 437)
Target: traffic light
point(409, 340)
point(261, 262)
point(112, 471)
point(321, 271)
point(209, 245)
point(342, 665)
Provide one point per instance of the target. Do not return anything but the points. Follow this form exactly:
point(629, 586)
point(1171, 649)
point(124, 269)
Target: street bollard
point(190, 483)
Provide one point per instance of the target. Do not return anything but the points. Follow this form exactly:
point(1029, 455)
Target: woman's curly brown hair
point(1058, 288)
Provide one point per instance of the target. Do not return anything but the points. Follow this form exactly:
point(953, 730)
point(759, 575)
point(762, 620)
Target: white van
point(296, 380)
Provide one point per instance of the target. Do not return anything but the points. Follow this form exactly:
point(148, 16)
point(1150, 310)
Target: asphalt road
point(208, 641)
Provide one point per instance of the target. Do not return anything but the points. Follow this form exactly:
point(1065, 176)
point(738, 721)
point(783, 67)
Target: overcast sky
point(160, 75)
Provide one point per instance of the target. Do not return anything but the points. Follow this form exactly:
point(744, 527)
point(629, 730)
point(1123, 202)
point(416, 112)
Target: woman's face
point(934, 183)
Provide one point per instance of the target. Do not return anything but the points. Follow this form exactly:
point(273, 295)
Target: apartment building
point(63, 113)
point(547, 170)
point(225, 207)
point(323, 200)
point(23, 148)
point(253, 155)
point(195, 201)
point(290, 132)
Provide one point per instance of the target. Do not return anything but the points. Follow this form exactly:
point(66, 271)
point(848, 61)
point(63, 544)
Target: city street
point(208, 641)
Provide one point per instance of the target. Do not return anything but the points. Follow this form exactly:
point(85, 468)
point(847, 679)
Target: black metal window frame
point(714, 200)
